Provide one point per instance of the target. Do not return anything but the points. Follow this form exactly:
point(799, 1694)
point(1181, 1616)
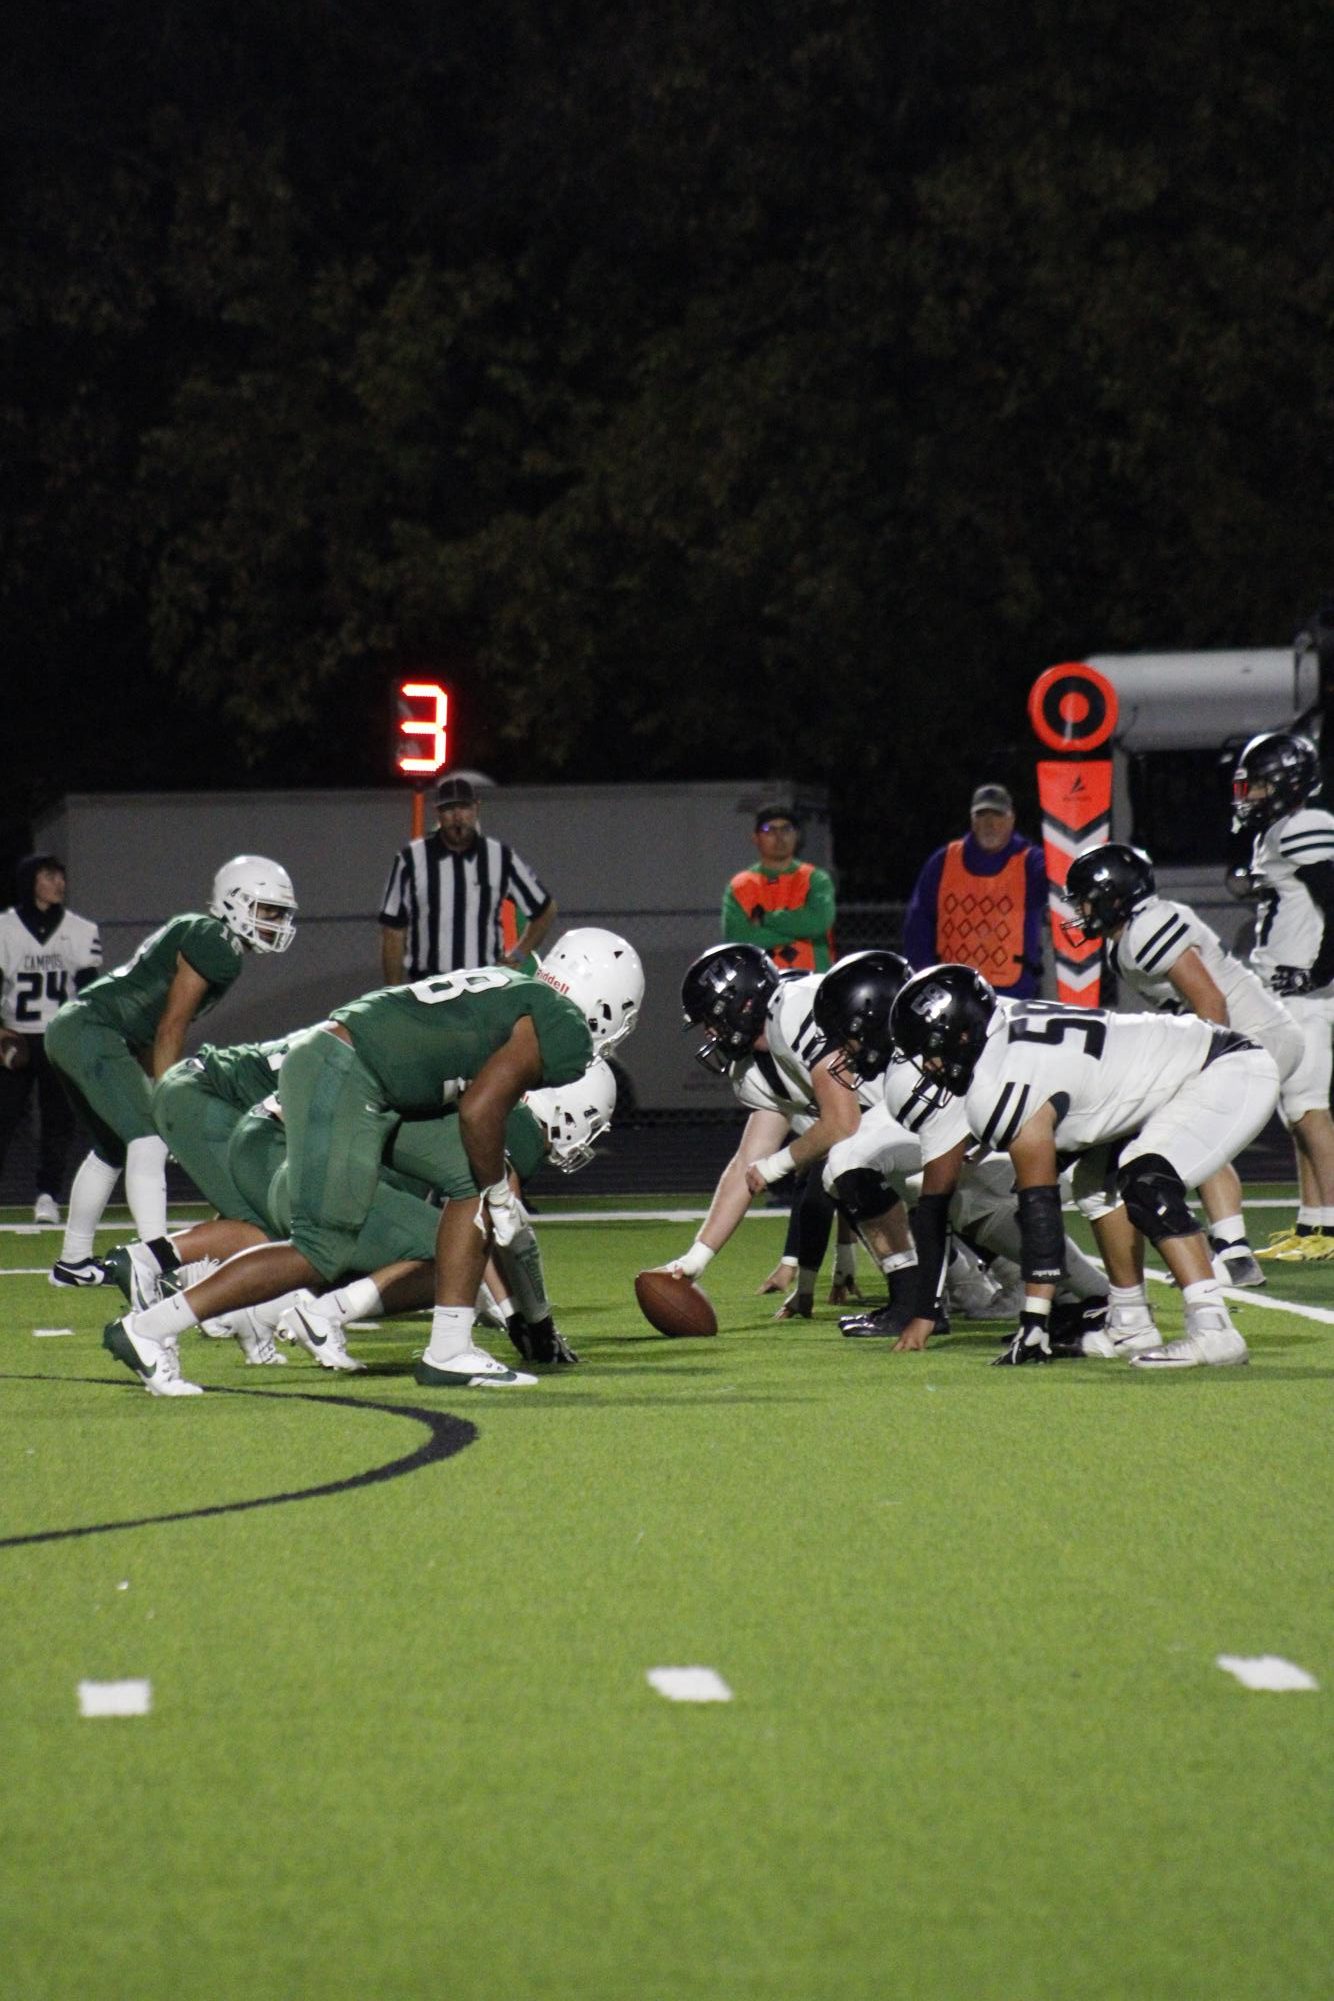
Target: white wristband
point(695, 1259)
point(775, 1165)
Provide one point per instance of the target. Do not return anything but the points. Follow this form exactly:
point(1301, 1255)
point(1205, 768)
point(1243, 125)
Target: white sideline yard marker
point(115, 1698)
point(1267, 1671)
point(689, 1684)
point(50, 1333)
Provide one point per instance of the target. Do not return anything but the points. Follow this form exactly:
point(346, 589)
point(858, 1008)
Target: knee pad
point(1155, 1198)
point(860, 1193)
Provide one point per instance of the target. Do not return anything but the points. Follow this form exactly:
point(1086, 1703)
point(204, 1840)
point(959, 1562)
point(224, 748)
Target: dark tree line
point(708, 391)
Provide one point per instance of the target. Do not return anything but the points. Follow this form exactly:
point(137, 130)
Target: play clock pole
point(1073, 712)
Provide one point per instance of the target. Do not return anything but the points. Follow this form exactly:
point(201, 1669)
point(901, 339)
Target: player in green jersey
point(128, 1028)
point(427, 1158)
point(196, 1108)
point(480, 1038)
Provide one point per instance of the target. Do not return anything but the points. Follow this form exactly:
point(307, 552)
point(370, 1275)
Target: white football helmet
point(602, 975)
point(573, 1116)
point(248, 885)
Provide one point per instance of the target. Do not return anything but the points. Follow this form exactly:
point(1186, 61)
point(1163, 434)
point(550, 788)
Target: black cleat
point(886, 1323)
point(79, 1271)
point(541, 1341)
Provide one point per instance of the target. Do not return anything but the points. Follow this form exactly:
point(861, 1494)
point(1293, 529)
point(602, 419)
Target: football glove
point(500, 1208)
point(541, 1341)
point(1031, 1344)
point(1285, 980)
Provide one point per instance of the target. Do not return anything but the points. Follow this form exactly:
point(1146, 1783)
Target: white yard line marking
point(115, 1698)
point(50, 1333)
point(689, 1684)
point(1267, 1671)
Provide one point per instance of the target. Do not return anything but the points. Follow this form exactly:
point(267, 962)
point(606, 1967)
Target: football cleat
point(156, 1363)
point(256, 1342)
point(1210, 1340)
point(1314, 1248)
point(886, 1323)
point(1030, 1344)
point(540, 1341)
point(185, 1276)
point(321, 1336)
point(135, 1270)
point(79, 1271)
point(46, 1210)
point(470, 1369)
point(1235, 1264)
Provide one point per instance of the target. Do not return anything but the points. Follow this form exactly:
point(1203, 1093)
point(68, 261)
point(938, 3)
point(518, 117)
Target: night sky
point(718, 393)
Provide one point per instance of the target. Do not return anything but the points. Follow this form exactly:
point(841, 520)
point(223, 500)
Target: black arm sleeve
point(1318, 881)
point(930, 1223)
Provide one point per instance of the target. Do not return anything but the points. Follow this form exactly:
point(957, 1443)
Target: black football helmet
point(727, 991)
point(1106, 885)
point(941, 1018)
point(1286, 765)
point(853, 1003)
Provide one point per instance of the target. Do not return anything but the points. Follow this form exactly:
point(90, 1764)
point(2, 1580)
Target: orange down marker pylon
point(1073, 710)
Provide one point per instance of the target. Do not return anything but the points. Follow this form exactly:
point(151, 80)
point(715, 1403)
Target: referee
point(443, 903)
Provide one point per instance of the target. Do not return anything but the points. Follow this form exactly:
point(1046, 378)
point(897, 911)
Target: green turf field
point(402, 1741)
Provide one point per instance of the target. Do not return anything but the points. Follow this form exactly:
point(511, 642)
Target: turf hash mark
point(689, 1684)
point(446, 1436)
point(115, 1698)
point(1268, 1672)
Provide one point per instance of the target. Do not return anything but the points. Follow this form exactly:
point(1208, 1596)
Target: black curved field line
point(446, 1435)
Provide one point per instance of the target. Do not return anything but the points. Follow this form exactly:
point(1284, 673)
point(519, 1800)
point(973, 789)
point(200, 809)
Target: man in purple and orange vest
point(980, 901)
point(783, 905)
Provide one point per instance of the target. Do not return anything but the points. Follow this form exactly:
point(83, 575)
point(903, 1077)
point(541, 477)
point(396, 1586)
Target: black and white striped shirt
point(449, 904)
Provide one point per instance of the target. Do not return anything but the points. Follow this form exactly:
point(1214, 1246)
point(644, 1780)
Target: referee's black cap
point(455, 792)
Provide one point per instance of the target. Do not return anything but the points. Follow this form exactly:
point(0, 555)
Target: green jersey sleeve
point(131, 998)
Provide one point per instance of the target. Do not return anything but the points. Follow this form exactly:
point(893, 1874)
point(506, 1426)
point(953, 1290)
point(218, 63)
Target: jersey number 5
point(1053, 1028)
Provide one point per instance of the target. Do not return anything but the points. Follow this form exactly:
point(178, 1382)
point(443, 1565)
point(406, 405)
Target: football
point(674, 1305)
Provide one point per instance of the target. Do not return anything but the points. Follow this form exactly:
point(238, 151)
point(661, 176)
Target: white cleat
point(223, 1329)
point(1238, 1266)
point(321, 1336)
point(1210, 1340)
point(156, 1363)
point(470, 1369)
point(1128, 1332)
point(185, 1276)
point(256, 1342)
point(46, 1210)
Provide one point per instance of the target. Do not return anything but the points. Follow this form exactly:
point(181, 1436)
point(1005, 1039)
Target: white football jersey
point(1157, 936)
point(1290, 926)
point(778, 1079)
point(934, 1116)
point(1105, 1074)
point(37, 976)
